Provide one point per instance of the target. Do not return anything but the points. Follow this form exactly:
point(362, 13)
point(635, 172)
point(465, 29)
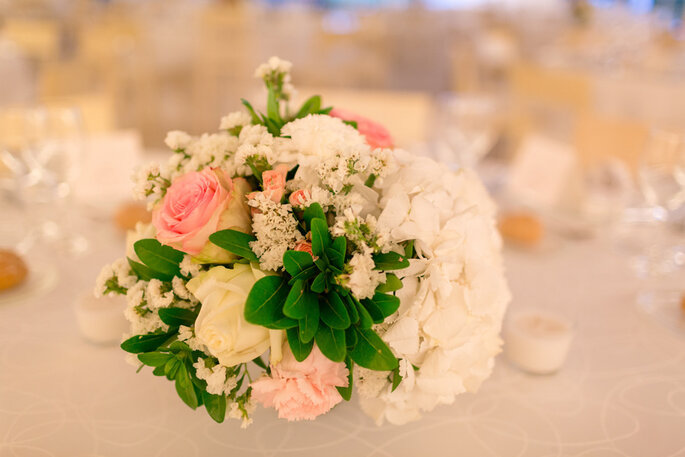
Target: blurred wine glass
point(661, 177)
point(40, 148)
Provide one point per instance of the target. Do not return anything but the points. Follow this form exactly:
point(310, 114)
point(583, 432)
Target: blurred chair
point(38, 38)
point(562, 88)
point(598, 138)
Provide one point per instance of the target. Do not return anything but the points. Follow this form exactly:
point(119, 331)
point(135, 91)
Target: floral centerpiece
point(295, 257)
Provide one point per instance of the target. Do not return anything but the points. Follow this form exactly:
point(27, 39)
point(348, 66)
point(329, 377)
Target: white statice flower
point(156, 298)
point(211, 150)
point(188, 267)
point(217, 382)
point(177, 140)
point(363, 279)
point(381, 162)
point(236, 413)
point(143, 320)
point(235, 119)
point(454, 295)
point(122, 271)
point(363, 232)
point(275, 228)
point(187, 335)
point(273, 65)
point(179, 288)
point(149, 183)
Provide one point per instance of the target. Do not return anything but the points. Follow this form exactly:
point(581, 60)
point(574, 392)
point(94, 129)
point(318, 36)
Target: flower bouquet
point(295, 257)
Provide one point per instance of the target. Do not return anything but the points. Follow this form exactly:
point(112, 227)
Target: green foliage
point(300, 349)
point(333, 312)
point(295, 262)
point(264, 304)
point(321, 239)
point(331, 342)
point(392, 283)
point(235, 242)
point(176, 317)
point(147, 343)
point(346, 392)
point(371, 352)
point(313, 211)
point(160, 260)
point(390, 261)
point(145, 274)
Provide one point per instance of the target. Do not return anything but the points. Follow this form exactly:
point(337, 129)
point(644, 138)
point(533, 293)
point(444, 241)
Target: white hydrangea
point(177, 140)
point(454, 295)
point(276, 230)
point(234, 119)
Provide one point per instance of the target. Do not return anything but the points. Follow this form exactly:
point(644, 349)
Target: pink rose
point(299, 197)
point(274, 182)
point(376, 135)
point(198, 204)
point(301, 390)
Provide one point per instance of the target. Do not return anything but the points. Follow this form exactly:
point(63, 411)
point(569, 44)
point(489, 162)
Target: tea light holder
point(537, 341)
point(101, 320)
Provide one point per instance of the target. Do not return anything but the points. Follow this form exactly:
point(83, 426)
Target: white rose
point(221, 325)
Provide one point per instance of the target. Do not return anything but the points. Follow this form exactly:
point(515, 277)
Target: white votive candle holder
point(537, 341)
point(101, 320)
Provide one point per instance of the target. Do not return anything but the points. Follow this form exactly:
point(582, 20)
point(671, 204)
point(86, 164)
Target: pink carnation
point(304, 246)
point(191, 209)
point(299, 197)
point(301, 390)
point(376, 135)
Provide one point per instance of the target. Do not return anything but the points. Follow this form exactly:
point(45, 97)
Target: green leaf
point(299, 299)
point(381, 306)
point(291, 173)
point(300, 350)
point(336, 252)
point(372, 353)
point(396, 378)
point(146, 343)
point(159, 371)
point(272, 109)
point(365, 319)
point(215, 406)
point(234, 241)
point(319, 284)
point(177, 316)
point(313, 211)
point(310, 323)
point(160, 258)
point(352, 124)
point(154, 359)
point(171, 368)
point(409, 249)
point(296, 261)
point(352, 309)
point(333, 312)
point(311, 105)
point(321, 239)
point(346, 392)
point(259, 362)
point(325, 110)
point(146, 273)
point(331, 342)
point(392, 283)
point(184, 387)
point(282, 323)
point(272, 126)
point(179, 346)
point(265, 301)
point(371, 180)
point(253, 114)
point(351, 337)
point(390, 261)
point(304, 275)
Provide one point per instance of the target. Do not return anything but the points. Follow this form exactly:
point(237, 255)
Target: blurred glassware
point(466, 129)
point(655, 231)
point(40, 150)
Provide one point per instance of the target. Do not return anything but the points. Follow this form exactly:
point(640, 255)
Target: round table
point(620, 393)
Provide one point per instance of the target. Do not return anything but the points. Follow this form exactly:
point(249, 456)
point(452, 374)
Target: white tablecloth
point(621, 392)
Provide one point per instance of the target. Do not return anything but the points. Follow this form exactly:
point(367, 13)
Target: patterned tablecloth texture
point(621, 392)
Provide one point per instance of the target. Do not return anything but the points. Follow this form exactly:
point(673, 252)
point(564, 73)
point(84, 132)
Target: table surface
point(620, 393)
